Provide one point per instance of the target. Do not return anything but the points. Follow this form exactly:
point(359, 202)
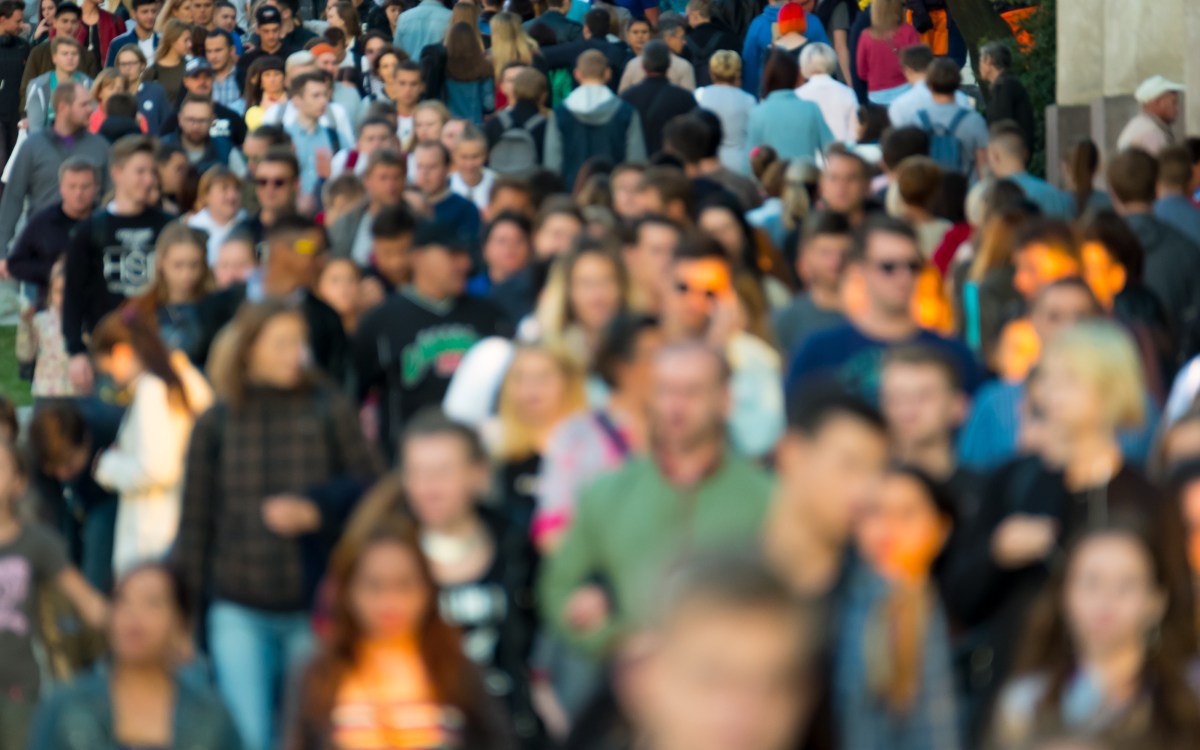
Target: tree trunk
point(979, 23)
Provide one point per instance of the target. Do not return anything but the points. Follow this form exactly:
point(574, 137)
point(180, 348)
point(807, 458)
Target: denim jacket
point(80, 717)
point(421, 26)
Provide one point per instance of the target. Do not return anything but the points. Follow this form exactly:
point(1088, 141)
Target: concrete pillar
point(1109, 116)
point(1191, 69)
point(1065, 124)
point(1080, 37)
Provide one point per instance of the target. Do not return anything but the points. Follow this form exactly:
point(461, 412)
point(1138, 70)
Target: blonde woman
point(510, 44)
point(732, 105)
point(107, 83)
point(542, 388)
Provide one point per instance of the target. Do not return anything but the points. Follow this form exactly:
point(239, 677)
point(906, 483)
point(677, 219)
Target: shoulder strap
point(351, 160)
point(534, 121)
point(957, 120)
point(923, 118)
point(336, 142)
point(505, 119)
point(613, 434)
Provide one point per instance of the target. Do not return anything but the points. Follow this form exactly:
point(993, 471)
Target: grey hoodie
point(37, 100)
point(594, 104)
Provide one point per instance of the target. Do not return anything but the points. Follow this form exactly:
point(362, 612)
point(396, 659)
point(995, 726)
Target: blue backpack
point(944, 146)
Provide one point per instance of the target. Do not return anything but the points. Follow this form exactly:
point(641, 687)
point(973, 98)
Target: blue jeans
point(254, 653)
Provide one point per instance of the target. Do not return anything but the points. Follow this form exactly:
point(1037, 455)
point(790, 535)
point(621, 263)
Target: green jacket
point(631, 525)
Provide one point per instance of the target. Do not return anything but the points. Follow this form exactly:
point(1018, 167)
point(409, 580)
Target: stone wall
point(1105, 49)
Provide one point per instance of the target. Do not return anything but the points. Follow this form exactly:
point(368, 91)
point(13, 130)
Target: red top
point(954, 239)
point(110, 29)
point(878, 60)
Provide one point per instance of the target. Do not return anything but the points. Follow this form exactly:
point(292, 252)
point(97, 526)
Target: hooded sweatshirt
point(759, 39)
point(592, 121)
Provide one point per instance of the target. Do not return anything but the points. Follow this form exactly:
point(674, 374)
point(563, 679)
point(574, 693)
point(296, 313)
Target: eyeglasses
point(891, 267)
point(275, 182)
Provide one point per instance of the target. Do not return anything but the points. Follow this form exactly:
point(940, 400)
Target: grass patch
point(11, 385)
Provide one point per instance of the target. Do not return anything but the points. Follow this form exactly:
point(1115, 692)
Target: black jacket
point(114, 128)
point(42, 242)
point(565, 30)
point(1171, 271)
point(226, 124)
point(14, 53)
point(565, 55)
point(657, 100)
point(1008, 100)
point(327, 339)
point(703, 42)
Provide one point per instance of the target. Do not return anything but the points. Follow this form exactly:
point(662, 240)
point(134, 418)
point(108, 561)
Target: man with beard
point(691, 493)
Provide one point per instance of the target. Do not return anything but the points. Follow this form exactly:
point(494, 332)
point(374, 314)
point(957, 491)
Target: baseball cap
point(1154, 87)
point(440, 234)
point(197, 66)
point(266, 15)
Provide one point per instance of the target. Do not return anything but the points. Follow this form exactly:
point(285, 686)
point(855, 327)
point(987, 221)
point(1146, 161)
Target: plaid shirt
point(225, 91)
point(863, 721)
point(277, 443)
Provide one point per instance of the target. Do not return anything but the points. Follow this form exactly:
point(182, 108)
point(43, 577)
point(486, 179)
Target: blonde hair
point(510, 43)
point(1101, 352)
point(435, 105)
point(518, 439)
point(166, 15)
point(796, 202)
point(725, 66)
point(108, 78)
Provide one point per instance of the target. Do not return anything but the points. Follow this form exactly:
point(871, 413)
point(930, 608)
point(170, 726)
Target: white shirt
point(1146, 132)
point(480, 194)
point(903, 111)
point(838, 103)
point(147, 46)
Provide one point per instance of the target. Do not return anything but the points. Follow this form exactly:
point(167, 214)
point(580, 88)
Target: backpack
point(944, 146)
point(516, 151)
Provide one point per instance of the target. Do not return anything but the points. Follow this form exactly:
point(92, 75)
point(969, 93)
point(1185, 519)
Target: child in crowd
point(236, 261)
point(40, 341)
point(181, 280)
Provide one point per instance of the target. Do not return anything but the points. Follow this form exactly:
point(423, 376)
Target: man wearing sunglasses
point(276, 180)
point(886, 258)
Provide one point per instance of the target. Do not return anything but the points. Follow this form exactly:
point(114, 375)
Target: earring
point(1154, 636)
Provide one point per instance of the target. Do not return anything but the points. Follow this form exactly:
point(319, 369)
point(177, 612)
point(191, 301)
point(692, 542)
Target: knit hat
point(792, 18)
point(322, 49)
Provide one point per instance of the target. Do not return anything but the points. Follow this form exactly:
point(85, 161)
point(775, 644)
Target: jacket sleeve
point(12, 202)
point(571, 566)
point(357, 457)
point(146, 457)
point(199, 503)
point(24, 261)
point(751, 59)
point(367, 367)
point(75, 287)
point(35, 107)
point(29, 75)
point(113, 48)
point(552, 156)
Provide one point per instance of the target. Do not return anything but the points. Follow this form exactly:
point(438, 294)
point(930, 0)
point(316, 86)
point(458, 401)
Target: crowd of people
point(659, 375)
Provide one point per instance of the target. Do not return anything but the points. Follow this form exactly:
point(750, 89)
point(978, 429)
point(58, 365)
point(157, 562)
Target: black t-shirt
point(111, 258)
point(407, 349)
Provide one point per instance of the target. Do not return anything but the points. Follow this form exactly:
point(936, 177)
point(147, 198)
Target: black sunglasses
point(276, 182)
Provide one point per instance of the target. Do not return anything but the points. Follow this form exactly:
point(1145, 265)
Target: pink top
point(878, 60)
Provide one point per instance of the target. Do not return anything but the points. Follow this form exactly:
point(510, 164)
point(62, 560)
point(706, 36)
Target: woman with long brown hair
point(392, 673)
point(470, 89)
point(1109, 649)
point(145, 465)
point(170, 58)
point(1079, 173)
point(271, 472)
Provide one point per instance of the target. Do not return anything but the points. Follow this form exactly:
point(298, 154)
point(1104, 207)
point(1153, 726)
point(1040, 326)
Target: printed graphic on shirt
point(129, 265)
point(14, 589)
point(439, 349)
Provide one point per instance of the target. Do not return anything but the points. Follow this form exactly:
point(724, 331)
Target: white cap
point(1154, 87)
